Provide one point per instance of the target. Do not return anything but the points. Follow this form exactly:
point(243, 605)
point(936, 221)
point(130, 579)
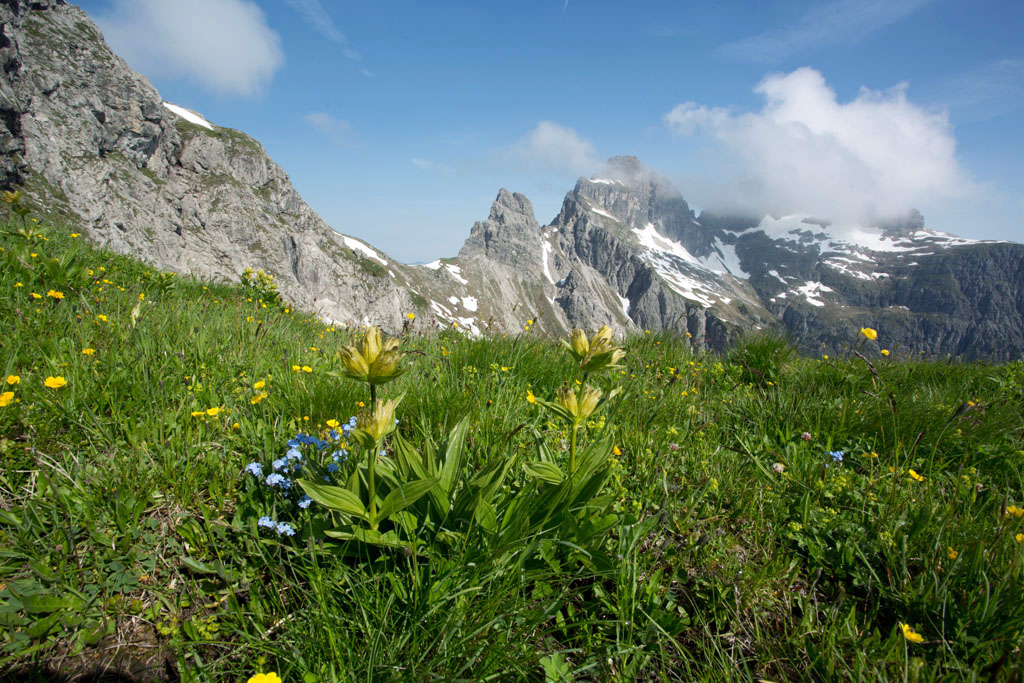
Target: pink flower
point(806, 436)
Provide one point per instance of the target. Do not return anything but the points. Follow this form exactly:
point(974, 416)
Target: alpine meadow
point(772, 433)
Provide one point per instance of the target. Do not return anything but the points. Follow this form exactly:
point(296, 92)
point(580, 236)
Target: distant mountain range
point(94, 145)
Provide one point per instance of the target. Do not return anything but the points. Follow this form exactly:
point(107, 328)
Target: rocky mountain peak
point(509, 235)
point(513, 208)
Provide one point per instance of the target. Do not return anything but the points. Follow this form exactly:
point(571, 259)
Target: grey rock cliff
point(90, 139)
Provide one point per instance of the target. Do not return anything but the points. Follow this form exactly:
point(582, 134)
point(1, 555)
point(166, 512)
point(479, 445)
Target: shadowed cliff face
point(91, 142)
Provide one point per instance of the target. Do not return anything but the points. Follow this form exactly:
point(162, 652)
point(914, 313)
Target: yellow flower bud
point(588, 400)
point(381, 421)
point(375, 362)
point(578, 343)
point(566, 398)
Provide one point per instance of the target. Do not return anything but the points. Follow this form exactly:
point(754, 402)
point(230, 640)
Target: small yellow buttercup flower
point(1014, 510)
point(102, 318)
point(530, 398)
point(869, 333)
point(1019, 538)
point(885, 352)
point(258, 397)
point(952, 554)
point(88, 352)
point(915, 476)
point(265, 678)
point(212, 412)
point(306, 368)
point(259, 385)
point(13, 379)
point(55, 382)
point(297, 368)
point(333, 424)
point(616, 451)
point(6, 398)
point(36, 296)
point(410, 316)
point(910, 634)
point(54, 294)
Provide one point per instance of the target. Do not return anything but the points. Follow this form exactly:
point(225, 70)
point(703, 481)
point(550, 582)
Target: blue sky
point(399, 121)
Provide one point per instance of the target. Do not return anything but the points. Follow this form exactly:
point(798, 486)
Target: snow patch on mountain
point(456, 273)
point(652, 239)
point(356, 245)
point(545, 257)
point(189, 115)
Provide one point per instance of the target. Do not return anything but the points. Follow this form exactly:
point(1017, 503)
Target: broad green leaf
point(485, 516)
point(364, 439)
point(388, 539)
point(408, 458)
point(591, 459)
point(545, 471)
point(335, 498)
point(557, 410)
point(453, 457)
point(404, 496)
point(197, 566)
point(41, 604)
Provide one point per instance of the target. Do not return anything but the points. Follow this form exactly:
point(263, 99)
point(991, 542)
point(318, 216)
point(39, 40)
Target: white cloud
point(187, 39)
point(336, 130)
point(844, 22)
point(876, 156)
point(552, 147)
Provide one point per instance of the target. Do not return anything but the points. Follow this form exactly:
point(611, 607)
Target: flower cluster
point(304, 452)
point(282, 528)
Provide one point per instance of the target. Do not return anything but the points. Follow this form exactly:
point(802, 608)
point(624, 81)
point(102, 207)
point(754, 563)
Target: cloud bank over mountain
point(876, 156)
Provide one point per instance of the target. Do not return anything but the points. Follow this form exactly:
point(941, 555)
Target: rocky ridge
point(92, 141)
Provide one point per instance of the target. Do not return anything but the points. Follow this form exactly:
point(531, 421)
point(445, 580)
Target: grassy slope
point(125, 519)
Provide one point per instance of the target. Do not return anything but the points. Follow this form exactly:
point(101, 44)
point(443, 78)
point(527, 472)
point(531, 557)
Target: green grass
point(128, 533)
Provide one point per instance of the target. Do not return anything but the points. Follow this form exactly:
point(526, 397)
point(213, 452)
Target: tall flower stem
point(572, 449)
point(372, 483)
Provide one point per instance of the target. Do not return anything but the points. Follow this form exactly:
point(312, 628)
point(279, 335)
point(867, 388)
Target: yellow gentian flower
point(375, 361)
